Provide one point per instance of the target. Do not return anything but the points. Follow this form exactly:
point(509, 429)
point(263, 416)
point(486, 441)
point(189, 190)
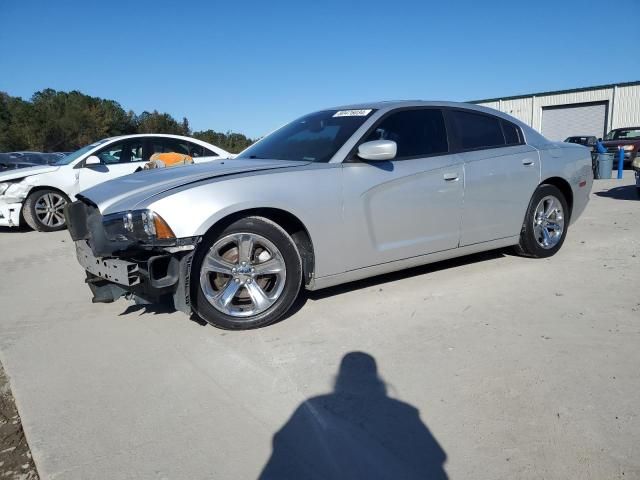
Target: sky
point(250, 66)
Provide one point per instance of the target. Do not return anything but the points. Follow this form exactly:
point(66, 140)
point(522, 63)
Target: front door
point(409, 206)
point(117, 159)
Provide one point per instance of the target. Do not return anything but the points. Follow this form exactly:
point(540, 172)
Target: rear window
point(475, 130)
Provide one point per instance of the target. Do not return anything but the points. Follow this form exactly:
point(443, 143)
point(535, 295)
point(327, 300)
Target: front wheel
point(545, 224)
point(248, 276)
point(43, 210)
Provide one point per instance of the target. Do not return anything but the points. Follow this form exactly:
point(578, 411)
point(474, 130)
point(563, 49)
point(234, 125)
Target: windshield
point(78, 153)
point(312, 138)
point(624, 134)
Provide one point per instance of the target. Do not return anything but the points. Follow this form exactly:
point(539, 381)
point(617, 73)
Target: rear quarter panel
point(572, 163)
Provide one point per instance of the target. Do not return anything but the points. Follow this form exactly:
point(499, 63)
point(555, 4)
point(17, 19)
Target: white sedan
point(38, 194)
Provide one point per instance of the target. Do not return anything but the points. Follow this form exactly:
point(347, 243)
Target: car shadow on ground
point(21, 229)
point(625, 192)
point(407, 273)
point(355, 432)
point(319, 295)
point(143, 309)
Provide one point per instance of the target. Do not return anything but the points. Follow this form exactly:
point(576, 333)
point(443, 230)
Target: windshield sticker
point(353, 113)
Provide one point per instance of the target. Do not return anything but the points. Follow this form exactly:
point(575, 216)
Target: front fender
point(312, 195)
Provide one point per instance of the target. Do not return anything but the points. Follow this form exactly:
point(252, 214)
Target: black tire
point(529, 246)
point(293, 275)
point(32, 218)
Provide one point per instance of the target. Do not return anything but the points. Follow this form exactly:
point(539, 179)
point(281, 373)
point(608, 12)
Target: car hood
point(126, 192)
point(26, 172)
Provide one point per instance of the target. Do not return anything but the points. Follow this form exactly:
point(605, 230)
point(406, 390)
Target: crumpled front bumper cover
point(10, 213)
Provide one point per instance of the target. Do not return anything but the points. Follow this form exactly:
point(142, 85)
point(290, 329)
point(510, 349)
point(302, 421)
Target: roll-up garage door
point(565, 121)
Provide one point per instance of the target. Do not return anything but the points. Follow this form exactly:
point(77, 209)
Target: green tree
point(232, 142)
point(64, 121)
point(156, 122)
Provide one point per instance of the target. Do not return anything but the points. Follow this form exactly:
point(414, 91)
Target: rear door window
point(417, 133)
point(476, 131)
point(512, 134)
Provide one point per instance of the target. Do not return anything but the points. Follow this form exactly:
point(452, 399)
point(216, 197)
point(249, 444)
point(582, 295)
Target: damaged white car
point(38, 194)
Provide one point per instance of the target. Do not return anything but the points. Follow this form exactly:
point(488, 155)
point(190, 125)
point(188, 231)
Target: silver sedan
point(335, 196)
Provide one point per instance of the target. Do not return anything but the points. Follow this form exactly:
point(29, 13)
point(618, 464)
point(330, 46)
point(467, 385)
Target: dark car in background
point(14, 160)
point(628, 139)
point(586, 140)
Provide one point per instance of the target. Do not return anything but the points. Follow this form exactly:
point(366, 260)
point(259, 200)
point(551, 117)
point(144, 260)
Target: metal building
point(580, 111)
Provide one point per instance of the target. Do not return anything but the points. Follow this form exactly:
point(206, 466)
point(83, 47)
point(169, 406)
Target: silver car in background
point(335, 196)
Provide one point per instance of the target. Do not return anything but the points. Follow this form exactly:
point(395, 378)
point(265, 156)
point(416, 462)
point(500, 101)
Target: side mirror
point(378, 150)
point(91, 160)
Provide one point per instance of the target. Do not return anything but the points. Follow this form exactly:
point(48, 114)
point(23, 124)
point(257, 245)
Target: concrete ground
point(489, 367)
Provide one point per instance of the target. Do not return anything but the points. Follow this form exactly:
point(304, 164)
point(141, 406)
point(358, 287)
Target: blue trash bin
point(604, 165)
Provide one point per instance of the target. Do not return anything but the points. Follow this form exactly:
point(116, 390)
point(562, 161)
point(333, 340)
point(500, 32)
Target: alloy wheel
point(243, 274)
point(548, 222)
point(50, 209)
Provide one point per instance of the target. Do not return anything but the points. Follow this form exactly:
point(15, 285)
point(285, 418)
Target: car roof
point(164, 135)
point(532, 136)
point(138, 135)
point(392, 104)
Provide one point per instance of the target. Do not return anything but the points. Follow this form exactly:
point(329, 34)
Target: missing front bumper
point(152, 279)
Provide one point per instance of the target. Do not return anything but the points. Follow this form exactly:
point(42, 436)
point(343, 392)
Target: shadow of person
point(356, 432)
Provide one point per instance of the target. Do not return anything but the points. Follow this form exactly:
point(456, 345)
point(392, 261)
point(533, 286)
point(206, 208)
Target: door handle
point(527, 163)
point(450, 177)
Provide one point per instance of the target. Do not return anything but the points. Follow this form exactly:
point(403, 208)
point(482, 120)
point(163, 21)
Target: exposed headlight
point(628, 148)
point(4, 186)
point(139, 225)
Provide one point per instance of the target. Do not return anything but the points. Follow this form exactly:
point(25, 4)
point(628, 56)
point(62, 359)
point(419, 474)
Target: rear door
point(501, 174)
point(409, 206)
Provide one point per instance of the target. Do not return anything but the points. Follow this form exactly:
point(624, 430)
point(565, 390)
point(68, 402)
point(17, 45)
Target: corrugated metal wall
point(623, 105)
point(626, 110)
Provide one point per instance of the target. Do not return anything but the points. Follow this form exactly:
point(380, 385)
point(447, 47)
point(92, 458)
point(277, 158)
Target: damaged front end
point(132, 254)
point(12, 196)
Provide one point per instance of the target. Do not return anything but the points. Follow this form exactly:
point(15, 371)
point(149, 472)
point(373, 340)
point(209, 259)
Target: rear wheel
point(248, 276)
point(43, 210)
point(545, 224)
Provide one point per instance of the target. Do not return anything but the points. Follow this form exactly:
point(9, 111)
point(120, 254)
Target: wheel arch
point(285, 219)
point(564, 187)
point(38, 188)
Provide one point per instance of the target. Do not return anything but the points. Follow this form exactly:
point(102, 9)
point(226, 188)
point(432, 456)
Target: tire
point(233, 295)
point(43, 210)
point(543, 232)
